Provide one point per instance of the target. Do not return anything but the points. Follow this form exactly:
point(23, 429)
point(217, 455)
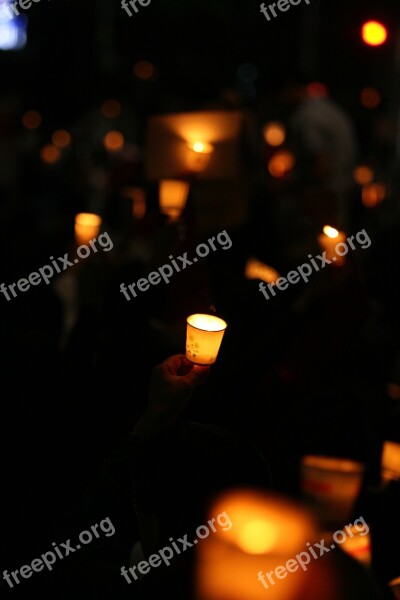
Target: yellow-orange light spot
point(281, 163)
point(256, 537)
point(363, 175)
point(374, 33)
point(373, 194)
point(113, 141)
point(274, 133)
point(331, 232)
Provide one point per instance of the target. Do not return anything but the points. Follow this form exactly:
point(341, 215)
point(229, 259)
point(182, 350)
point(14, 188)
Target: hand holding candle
point(203, 338)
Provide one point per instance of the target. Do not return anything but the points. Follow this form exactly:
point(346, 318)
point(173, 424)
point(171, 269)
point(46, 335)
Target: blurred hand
point(171, 385)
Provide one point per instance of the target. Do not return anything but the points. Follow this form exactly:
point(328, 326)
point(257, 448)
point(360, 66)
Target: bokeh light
point(111, 109)
point(274, 133)
point(144, 70)
point(374, 33)
point(31, 119)
point(50, 154)
point(373, 194)
point(363, 175)
point(281, 163)
point(370, 97)
point(113, 141)
point(61, 138)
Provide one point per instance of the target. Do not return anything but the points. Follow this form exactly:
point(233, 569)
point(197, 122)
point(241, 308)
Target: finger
point(197, 375)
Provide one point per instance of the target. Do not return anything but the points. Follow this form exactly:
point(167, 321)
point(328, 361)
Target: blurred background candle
point(395, 587)
point(390, 462)
point(87, 227)
point(266, 532)
point(203, 338)
point(173, 195)
point(331, 486)
point(328, 240)
point(358, 544)
point(199, 155)
point(255, 269)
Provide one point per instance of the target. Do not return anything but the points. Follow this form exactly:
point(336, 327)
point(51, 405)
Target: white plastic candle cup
point(332, 486)
point(204, 335)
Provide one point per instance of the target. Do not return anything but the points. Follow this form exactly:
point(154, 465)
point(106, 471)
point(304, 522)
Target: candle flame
point(202, 147)
point(207, 322)
point(331, 232)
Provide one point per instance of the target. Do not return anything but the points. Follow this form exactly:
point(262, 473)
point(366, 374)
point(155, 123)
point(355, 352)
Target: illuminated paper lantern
point(332, 486)
point(390, 462)
point(87, 227)
point(173, 196)
point(358, 544)
point(266, 532)
point(203, 338)
point(328, 241)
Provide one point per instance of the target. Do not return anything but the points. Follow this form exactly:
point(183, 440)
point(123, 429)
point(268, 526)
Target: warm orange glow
point(265, 531)
point(113, 141)
point(144, 70)
point(256, 269)
point(87, 226)
point(199, 155)
point(111, 109)
point(390, 461)
point(203, 338)
point(50, 154)
point(363, 175)
point(331, 232)
point(61, 138)
point(201, 147)
point(370, 97)
point(332, 485)
point(374, 33)
point(395, 587)
point(281, 163)
point(358, 543)
point(373, 194)
point(257, 537)
point(274, 133)
point(31, 119)
point(173, 196)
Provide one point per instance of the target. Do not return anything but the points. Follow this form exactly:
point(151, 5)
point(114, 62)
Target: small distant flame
point(330, 231)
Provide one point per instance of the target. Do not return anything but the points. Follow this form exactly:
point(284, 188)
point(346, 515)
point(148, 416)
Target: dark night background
point(323, 380)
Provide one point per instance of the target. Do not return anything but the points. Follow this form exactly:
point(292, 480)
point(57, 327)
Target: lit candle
point(328, 241)
point(203, 338)
point(332, 486)
point(87, 227)
point(173, 197)
point(390, 462)
point(256, 269)
point(266, 532)
point(395, 586)
point(199, 155)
